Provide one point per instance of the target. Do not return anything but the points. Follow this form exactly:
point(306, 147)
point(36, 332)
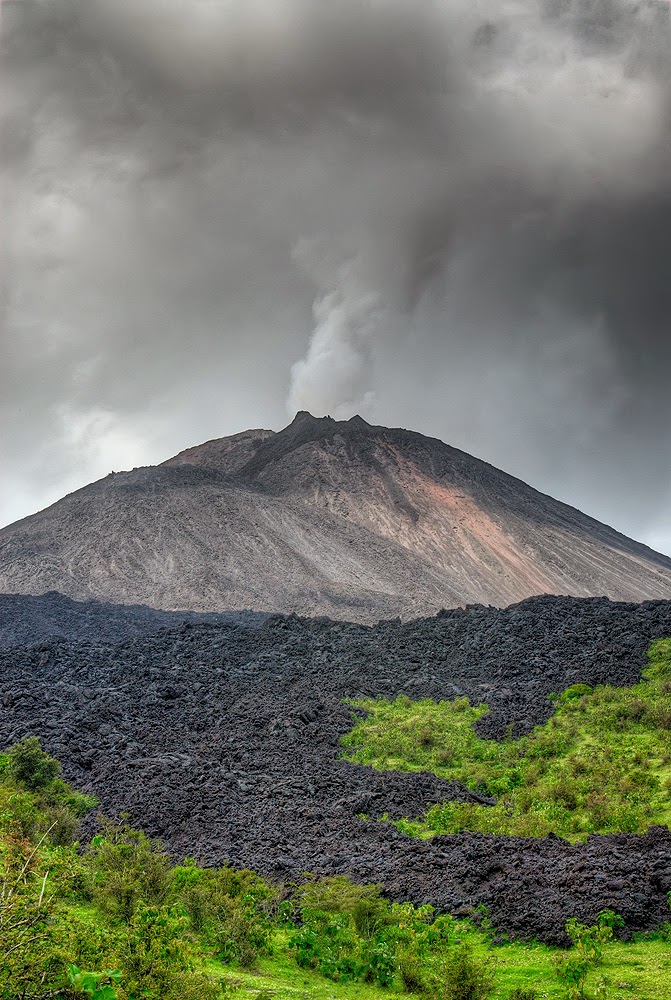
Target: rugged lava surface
point(325, 517)
point(28, 620)
point(223, 739)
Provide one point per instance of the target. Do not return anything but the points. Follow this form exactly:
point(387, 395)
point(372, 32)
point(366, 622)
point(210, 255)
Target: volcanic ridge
point(326, 517)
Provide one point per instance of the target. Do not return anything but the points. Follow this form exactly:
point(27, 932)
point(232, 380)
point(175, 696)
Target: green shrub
point(58, 794)
point(378, 962)
point(86, 943)
point(26, 912)
point(20, 814)
point(327, 943)
point(412, 968)
point(33, 800)
point(587, 950)
point(462, 975)
point(350, 932)
point(70, 871)
point(126, 868)
point(158, 960)
point(574, 692)
point(63, 826)
point(230, 909)
point(242, 934)
point(96, 985)
point(363, 903)
point(347, 932)
point(30, 766)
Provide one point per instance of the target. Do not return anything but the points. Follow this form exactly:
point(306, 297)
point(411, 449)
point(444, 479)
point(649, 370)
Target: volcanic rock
point(224, 740)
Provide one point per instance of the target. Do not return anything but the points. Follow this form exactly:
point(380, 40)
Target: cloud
point(454, 214)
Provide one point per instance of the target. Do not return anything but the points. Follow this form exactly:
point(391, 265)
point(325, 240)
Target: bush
point(327, 943)
point(462, 975)
point(574, 693)
point(363, 903)
point(413, 971)
point(587, 950)
point(349, 932)
point(33, 800)
point(96, 985)
point(346, 932)
point(378, 962)
point(229, 908)
point(19, 813)
point(86, 943)
point(242, 935)
point(30, 766)
point(126, 867)
point(158, 960)
point(26, 910)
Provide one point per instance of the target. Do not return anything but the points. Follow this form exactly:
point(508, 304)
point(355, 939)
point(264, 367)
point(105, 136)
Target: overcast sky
point(448, 215)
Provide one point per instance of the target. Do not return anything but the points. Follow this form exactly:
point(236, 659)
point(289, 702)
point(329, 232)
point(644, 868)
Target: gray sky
point(450, 215)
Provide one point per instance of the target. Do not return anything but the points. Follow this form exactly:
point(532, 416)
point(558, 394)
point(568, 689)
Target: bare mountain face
point(326, 517)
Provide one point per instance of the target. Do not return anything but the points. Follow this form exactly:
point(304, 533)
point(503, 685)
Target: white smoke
point(334, 376)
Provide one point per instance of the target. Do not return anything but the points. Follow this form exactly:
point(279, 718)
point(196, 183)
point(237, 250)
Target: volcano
point(326, 517)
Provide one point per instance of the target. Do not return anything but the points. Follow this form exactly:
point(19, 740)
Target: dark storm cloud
point(465, 206)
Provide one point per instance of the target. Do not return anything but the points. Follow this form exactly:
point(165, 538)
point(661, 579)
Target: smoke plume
point(334, 376)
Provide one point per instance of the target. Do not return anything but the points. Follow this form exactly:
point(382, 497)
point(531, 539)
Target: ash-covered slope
point(326, 517)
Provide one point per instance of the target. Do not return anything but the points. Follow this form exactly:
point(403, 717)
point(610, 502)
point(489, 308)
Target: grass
point(630, 971)
point(280, 976)
point(638, 970)
point(601, 764)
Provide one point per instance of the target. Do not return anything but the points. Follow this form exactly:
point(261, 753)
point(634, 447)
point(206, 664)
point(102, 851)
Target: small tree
point(30, 766)
point(587, 950)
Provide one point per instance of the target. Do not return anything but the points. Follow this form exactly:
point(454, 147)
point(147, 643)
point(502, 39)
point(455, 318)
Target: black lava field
point(222, 737)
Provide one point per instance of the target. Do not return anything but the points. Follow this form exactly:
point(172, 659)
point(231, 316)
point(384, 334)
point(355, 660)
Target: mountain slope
point(324, 517)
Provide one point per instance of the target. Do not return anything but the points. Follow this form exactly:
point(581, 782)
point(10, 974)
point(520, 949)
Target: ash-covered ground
point(223, 739)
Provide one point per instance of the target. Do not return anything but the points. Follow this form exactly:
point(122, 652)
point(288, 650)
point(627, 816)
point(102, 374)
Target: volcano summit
point(326, 517)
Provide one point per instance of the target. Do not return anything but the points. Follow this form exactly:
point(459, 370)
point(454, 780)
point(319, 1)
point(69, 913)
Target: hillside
point(326, 517)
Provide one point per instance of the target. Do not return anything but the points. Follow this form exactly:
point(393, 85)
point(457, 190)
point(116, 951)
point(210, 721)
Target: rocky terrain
point(29, 620)
point(326, 517)
point(223, 739)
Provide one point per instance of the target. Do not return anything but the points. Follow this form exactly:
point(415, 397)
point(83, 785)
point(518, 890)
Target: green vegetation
point(34, 800)
point(601, 764)
point(587, 952)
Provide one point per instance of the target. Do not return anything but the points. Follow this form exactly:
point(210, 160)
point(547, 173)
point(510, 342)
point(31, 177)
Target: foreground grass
point(639, 970)
point(601, 764)
point(628, 971)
